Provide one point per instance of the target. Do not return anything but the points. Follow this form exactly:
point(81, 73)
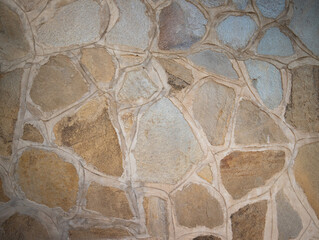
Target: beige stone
point(30, 5)
point(207, 237)
point(3, 196)
point(97, 233)
point(91, 134)
point(206, 174)
point(31, 133)
point(46, 179)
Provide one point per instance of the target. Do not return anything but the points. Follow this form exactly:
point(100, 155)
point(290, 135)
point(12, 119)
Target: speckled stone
point(97, 233)
point(3, 196)
point(241, 4)
point(212, 3)
point(31, 133)
point(271, 8)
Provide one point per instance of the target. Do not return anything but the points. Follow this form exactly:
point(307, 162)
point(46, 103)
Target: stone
point(266, 79)
point(302, 112)
point(246, 217)
point(254, 126)
point(133, 27)
point(109, 201)
point(212, 108)
point(207, 237)
point(9, 108)
point(214, 62)
point(236, 31)
point(212, 3)
point(206, 174)
point(57, 84)
point(274, 42)
point(271, 8)
point(24, 227)
point(241, 4)
point(97, 233)
point(288, 221)
point(306, 173)
point(181, 24)
point(90, 133)
point(31, 133)
point(30, 5)
point(166, 147)
point(99, 63)
point(3, 196)
point(194, 206)
point(46, 179)
point(243, 171)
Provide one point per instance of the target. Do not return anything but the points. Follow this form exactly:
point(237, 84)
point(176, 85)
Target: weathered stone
point(31, 133)
point(241, 4)
point(99, 63)
point(207, 237)
point(249, 222)
point(212, 108)
point(23, 227)
point(212, 3)
point(306, 172)
point(206, 174)
point(91, 134)
point(271, 8)
point(288, 221)
point(46, 179)
point(181, 25)
point(255, 126)
point(9, 108)
point(57, 84)
point(30, 5)
point(266, 79)
point(109, 201)
point(3, 196)
point(243, 171)
point(194, 206)
point(303, 110)
point(97, 233)
point(166, 148)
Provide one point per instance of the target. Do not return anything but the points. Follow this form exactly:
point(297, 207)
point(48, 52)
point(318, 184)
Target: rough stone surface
point(3, 196)
point(31, 133)
point(212, 3)
point(30, 5)
point(207, 237)
point(97, 233)
point(206, 174)
point(243, 171)
point(241, 4)
point(271, 8)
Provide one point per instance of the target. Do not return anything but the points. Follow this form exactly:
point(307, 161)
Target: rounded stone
point(271, 8)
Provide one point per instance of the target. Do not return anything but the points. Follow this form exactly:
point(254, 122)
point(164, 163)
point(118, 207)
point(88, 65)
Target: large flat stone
point(97, 233)
point(271, 8)
point(241, 4)
point(212, 3)
point(3, 196)
point(31, 133)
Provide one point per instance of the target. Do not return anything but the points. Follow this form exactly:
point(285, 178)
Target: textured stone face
point(97, 233)
point(240, 4)
point(271, 8)
point(243, 171)
point(206, 174)
point(212, 108)
point(207, 237)
point(202, 209)
point(3, 196)
point(212, 3)
point(31, 133)
point(91, 135)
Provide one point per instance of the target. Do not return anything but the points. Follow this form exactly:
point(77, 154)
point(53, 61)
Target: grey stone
point(241, 4)
point(271, 8)
point(212, 3)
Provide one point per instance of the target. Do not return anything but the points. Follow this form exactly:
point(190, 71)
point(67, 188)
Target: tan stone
point(194, 206)
point(3, 196)
point(57, 84)
point(46, 179)
point(91, 134)
point(30, 5)
point(31, 133)
point(206, 174)
point(243, 171)
point(207, 237)
point(97, 233)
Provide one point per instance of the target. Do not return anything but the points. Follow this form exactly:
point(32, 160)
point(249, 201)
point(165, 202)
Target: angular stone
point(212, 3)
point(212, 108)
point(166, 147)
point(194, 206)
point(214, 62)
point(207, 237)
point(91, 135)
point(206, 174)
point(241, 4)
point(306, 172)
point(9, 108)
point(255, 126)
point(3, 196)
point(181, 24)
point(249, 222)
point(266, 79)
point(274, 42)
point(97, 233)
point(303, 110)
point(243, 171)
point(23, 227)
point(271, 8)
point(57, 84)
point(31, 133)
point(235, 31)
point(109, 201)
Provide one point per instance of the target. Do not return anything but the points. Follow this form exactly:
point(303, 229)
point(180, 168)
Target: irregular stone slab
point(214, 62)
point(212, 108)
point(109, 201)
point(306, 172)
point(133, 26)
point(9, 108)
point(303, 110)
point(23, 227)
point(181, 25)
point(202, 209)
point(235, 31)
point(241, 4)
point(46, 179)
point(166, 148)
point(31, 133)
point(97, 233)
point(288, 221)
point(207, 237)
point(266, 79)
point(212, 3)
point(249, 222)
point(255, 126)
point(274, 42)
point(206, 174)
point(271, 8)
point(57, 84)
point(30, 5)
point(91, 135)
point(243, 171)
point(3, 196)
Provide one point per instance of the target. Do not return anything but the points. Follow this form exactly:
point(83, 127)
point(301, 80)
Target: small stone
point(206, 174)
point(31, 133)
point(97, 233)
point(271, 8)
point(212, 3)
point(194, 206)
point(243, 171)
point(241, 4)
point(207, 237)
point(3, 196)
point(109, 201)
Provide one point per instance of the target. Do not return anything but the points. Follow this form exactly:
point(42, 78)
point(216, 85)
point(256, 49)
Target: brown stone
point(30, 5)
point(3, 196)
point(46, 179)
point(31, 133)
point(243, 171)
point(249, 222)
point(91, 134)
point(97, 233)
point(206, 174)
point(194, 206)
point(109, 201)
point(207, 237)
